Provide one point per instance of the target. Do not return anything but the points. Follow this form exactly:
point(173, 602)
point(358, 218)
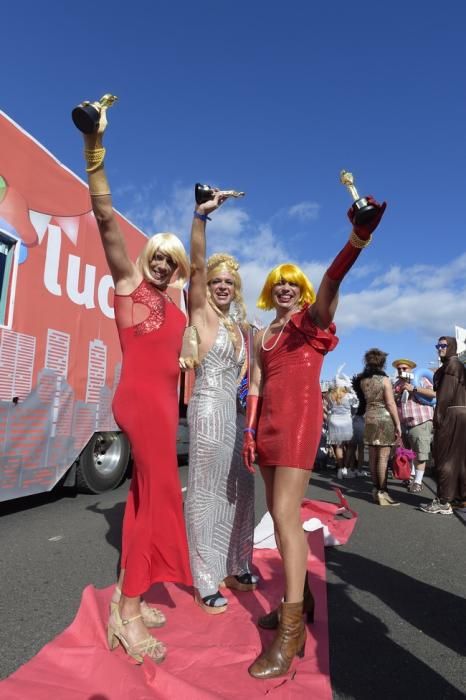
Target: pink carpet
point(208, 656)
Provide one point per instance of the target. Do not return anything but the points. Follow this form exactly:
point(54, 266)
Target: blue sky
point(275, 99)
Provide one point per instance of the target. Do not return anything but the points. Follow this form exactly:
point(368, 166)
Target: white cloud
point(305, 211)
point(427, 298)
point(405, 305)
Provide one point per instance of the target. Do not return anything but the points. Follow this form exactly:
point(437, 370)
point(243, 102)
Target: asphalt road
point(397, 607)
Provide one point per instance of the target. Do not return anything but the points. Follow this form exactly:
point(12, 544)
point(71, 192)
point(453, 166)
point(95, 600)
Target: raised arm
point(198, 279)
point(325, 306)
point(124, 272)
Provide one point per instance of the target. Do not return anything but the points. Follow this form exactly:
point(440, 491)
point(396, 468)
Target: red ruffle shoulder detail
point(323, 341)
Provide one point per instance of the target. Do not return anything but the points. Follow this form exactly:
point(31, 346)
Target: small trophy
point(363, 212)
point(86, 116)
point(204, 193)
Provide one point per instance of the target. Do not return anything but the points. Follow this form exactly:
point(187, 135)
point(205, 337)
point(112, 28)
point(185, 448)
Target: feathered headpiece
point(342, 380)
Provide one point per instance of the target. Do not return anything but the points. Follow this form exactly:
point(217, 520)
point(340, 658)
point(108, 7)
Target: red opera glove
point(364, 231)
point(249, 450)
point(359, 239)
point(249, 441)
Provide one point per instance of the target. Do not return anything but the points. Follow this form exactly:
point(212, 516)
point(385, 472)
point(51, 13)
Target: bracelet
point(94, 158)
point(250, 430)
point(359, 242)
point(202, 217)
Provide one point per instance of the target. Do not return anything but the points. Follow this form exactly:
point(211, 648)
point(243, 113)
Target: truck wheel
point(103, 463)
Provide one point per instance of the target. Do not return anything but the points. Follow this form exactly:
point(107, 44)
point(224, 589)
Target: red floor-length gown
point(145, 406)
point(290, 421)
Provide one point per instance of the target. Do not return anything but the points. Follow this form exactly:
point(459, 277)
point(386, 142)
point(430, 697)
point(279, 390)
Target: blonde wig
point(337, 393)
point(289, 273)
point(222, 262)
point(168, 244)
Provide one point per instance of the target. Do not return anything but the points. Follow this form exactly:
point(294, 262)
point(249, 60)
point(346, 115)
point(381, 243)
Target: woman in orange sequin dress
point(284, 422)
point(151, 328)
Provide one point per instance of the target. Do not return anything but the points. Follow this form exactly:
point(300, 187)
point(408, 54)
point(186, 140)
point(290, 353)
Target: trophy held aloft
point(86, 116)
point(363, 211)
point(204, 193)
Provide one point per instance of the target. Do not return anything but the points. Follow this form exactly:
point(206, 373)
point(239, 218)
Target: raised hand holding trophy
point(363, 210)
point(89, 117)
point(204, 193)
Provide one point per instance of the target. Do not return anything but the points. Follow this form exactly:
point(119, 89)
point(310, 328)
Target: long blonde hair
point(170, 245)
point(223, 262)
point(336, 394)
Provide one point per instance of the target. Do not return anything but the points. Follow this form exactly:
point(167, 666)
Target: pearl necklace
point(276, 339)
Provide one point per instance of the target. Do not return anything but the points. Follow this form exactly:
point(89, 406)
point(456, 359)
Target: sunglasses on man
point(441, 346)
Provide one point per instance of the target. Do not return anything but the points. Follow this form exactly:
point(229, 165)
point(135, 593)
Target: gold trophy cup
point(204, 193)
point(86, 116)
point(363, 211)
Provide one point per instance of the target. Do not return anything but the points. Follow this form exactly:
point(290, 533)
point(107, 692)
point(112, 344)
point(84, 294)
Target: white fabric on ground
point(264, 537)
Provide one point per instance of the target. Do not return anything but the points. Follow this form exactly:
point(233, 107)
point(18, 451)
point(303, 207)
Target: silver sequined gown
point(219, 506)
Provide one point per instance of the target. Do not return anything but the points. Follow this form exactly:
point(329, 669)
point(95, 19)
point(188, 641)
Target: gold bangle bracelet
point(359, 242)
point(94, 158)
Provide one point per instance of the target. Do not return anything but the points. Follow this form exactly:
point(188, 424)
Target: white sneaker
point(342, 473)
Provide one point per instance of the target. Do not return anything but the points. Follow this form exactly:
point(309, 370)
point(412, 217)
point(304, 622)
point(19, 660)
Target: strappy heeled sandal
point(151, 617)
point(209, 603)
point(244, 582)
point(149, 646)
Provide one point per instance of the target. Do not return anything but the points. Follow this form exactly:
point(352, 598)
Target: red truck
point(60, 357)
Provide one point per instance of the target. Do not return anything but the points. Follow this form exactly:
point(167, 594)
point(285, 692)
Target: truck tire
point(103, 462)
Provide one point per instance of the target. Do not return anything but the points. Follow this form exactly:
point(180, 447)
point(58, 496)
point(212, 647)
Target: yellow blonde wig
point(168, 244)
point(222, 262)
point(289, 273)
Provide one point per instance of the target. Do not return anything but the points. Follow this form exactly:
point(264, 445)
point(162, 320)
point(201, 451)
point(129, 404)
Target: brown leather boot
point(289, 642)
point(270, 621)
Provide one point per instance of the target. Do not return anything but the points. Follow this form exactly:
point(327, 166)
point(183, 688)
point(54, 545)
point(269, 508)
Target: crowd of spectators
point(367, 417)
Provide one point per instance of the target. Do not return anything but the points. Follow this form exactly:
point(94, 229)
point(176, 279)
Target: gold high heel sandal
point(383, 499)
point(151, 617)
point(149, 646)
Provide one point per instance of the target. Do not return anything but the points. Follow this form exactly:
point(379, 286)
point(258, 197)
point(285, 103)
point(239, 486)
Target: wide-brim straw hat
point(403, 361)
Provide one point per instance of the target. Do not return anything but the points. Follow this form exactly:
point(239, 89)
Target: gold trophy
point(86, 116)
point(363, 211)
point(204, 193)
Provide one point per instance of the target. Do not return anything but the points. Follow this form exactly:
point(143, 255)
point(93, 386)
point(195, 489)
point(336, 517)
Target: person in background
point(449, 430)
point(341, 400)
point(382, 428)
point(415, 417)
point(355, 449)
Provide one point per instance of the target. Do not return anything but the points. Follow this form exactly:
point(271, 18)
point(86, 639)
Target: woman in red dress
point(284, 422)
point(145, 406)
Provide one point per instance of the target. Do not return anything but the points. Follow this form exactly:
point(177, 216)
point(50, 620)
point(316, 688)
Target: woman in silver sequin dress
point(219, 505)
